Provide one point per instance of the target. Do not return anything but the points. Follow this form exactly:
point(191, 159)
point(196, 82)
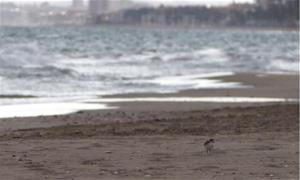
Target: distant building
point(265, 4)
point(12, 15)
point(98, 7)
point(45, 5)
point(78, 5)
point(118, 5)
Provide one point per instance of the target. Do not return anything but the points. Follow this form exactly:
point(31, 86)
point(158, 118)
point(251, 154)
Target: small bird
point(209, 145)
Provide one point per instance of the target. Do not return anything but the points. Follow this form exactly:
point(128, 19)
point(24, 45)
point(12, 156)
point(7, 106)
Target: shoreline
point(162, 140)
point(260, 81)
point(251, 89)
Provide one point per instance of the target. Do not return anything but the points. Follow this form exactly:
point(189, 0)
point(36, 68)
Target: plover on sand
point(209, 145)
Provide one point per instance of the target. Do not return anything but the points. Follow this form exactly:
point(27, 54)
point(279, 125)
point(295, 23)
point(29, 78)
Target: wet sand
point(143, 140)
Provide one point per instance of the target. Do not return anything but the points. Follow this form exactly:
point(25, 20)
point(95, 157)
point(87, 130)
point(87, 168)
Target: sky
point(212, 2)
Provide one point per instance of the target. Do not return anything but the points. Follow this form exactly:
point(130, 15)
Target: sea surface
point(59, 64)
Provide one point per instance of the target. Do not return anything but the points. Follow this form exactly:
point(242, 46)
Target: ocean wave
point(283, 65)
point(196, 81)
point(34, 72)
point(18, 55)
point(210, 52)
point(205, 55)
point(104, 61)
point(78, 62)
point(15, 96)
point(53, 71)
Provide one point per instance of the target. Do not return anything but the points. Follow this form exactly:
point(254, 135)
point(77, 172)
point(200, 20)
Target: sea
point(65, 66)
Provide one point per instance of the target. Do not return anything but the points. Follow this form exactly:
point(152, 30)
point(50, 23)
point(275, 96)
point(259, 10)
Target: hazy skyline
point(174, 2)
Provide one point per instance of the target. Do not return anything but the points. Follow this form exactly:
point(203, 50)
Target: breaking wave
point(103, 61)
point(284, 66)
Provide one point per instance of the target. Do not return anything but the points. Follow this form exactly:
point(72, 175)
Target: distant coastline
point(209, 28)
point(212, 28)
point(283, 15)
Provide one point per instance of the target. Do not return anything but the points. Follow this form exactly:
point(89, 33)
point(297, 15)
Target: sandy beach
point(163, 140)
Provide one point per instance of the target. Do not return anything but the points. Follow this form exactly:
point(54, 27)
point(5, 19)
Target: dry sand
point(162, 140)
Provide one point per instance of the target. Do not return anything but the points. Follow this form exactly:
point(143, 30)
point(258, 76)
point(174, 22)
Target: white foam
point(284, 65)
point(206, 55)
point(46, 109)
point(194, 99)
point(198, 81)
point(210, 52)
point(78, 62)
